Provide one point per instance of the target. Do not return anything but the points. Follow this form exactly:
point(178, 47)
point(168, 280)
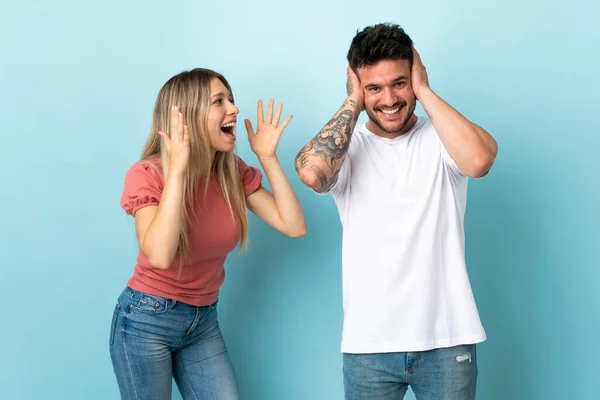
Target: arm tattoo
point(330, 145)
point(325, 183)
point(349, 88)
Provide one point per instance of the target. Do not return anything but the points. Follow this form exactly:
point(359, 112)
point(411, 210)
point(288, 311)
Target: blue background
point(78, 82)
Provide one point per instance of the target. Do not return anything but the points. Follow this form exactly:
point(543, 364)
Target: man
point(400, 184)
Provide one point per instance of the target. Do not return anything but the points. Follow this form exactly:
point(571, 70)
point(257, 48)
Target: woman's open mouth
point(228, 129)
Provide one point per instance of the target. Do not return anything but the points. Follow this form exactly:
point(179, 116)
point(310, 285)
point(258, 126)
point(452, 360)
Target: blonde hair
point(190, 91)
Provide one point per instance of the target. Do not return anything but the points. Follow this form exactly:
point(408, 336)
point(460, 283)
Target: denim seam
point(113, 325)
point(185, 379)
point(195, 323)
point(131, 377)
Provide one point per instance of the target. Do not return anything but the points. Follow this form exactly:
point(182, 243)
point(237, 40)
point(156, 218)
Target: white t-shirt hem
point(355, 348)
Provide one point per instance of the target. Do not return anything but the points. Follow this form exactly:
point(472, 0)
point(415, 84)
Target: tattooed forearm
point(324, 154)
point(302, 157)
point(324, 182)
point(333, 141)
point(349, 88)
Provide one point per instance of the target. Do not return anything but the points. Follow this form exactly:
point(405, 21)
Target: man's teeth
point(395, 110)
point(231, 124)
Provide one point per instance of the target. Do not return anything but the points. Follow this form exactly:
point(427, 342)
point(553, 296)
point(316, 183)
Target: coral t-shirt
point(213, 233)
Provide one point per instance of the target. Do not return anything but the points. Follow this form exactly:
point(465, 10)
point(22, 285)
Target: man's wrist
point(423, 92)
point(354, 102)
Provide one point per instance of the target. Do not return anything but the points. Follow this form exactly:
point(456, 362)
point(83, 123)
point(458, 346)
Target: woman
point(189, 195)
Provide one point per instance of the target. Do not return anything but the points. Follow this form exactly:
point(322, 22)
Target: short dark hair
point(379, 42)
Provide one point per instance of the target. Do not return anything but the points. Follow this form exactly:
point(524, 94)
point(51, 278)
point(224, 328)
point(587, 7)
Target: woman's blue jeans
point(154, 340)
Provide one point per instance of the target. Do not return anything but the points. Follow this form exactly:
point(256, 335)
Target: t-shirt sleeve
point(251, 177)
point(449, 162)
point(143, 187)
point(344, 175)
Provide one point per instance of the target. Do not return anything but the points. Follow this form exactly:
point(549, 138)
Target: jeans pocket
point(113, 325)
point(150, 304)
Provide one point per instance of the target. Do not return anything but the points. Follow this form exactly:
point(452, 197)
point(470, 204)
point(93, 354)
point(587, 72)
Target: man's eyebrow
point(400, 78)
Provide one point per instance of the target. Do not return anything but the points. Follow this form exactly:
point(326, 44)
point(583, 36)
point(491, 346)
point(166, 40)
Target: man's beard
point(402, 125)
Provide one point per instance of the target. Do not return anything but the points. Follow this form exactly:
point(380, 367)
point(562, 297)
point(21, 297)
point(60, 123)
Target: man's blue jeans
point(153, 340)
point(440, 374)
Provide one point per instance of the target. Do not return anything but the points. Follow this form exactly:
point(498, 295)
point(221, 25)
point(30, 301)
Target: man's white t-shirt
point(405, 285)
